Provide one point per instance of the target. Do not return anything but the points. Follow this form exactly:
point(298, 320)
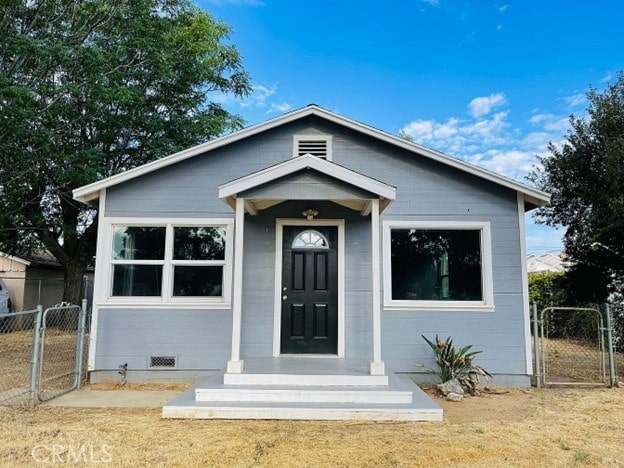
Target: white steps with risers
point(305, 394)
point(320, 380)
point(270, 394)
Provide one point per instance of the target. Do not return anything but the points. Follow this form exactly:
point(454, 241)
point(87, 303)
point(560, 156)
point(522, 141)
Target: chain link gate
point(61, 350)
point(18, 335)
point(572, 347)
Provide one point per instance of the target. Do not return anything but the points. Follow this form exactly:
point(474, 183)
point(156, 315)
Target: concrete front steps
point(281, 394)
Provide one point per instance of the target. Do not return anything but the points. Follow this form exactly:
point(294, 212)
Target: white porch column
point(235, 364)
point(377, 366)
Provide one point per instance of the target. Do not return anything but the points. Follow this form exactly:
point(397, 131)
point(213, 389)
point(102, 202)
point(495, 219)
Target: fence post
point(536, 345)
point(34, 362)
point(613, 378)
point(80, 343)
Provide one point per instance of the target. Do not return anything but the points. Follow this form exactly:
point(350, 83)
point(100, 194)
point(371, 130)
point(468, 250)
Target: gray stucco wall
point(425, 191)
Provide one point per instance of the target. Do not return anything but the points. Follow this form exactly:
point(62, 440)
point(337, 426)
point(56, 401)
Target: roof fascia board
point(285, 168)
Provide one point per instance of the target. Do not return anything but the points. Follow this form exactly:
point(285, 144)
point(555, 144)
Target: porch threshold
point(305, 371)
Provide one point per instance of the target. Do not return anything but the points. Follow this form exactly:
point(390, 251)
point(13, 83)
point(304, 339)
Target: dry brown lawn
point(521, 427)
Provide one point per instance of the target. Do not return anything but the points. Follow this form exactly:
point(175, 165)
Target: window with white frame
point(170, 262)
point(437, 264)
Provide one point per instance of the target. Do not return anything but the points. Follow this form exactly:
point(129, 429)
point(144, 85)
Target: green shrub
point(548, 289)
point(455, 363)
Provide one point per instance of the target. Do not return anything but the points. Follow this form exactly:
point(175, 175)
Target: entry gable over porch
point(307, 178)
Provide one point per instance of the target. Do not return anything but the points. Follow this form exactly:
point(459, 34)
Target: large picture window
point(170, 263)
point(437, 265)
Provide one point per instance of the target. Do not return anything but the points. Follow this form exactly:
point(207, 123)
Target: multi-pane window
point(430, 265)
point(169, 261)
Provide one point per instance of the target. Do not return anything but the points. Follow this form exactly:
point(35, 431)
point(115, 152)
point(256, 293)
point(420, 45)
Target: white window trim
point(166, 300)
point(487, 305)
point(312, 137)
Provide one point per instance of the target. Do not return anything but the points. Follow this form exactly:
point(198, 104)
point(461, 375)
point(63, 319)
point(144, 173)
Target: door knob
point(284, 297)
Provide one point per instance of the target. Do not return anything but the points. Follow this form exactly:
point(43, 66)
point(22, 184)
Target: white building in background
point(546, 262)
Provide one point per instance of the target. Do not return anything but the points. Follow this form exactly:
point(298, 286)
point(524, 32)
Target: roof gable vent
point(316, 145)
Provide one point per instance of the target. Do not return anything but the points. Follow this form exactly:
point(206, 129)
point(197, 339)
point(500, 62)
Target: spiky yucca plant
point(456, 363)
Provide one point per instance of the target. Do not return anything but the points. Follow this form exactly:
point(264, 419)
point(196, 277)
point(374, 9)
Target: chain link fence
point(42, 350)
point(617, 312)
point(573, 346)
point(17, 353)
point(61, 358)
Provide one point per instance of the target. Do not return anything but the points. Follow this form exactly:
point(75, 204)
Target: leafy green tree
point(585, 176)
point(92, 88)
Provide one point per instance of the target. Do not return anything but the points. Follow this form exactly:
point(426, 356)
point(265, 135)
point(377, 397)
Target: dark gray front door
point(310, 290)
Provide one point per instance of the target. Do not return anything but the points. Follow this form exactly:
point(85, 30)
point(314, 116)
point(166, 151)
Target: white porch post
point(235, 364)
point(377, 366)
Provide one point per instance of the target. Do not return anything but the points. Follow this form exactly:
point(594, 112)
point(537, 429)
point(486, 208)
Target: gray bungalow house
point(307, 251)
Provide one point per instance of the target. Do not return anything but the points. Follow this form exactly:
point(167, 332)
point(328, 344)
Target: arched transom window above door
point(310, 239)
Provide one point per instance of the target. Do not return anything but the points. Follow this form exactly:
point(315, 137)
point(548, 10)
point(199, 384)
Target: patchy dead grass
point(15, 357)
point(138, 386)
point(525, 427)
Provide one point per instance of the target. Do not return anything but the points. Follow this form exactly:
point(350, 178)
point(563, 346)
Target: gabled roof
point(228, 191)
point(15, 259)
point(531, 195)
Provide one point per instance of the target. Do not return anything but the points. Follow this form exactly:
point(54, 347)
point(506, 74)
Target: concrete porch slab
point(419, 408)
point(305, 371)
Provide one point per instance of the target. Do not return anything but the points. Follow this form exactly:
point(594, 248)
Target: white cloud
point(503, 8)
point(259, 95)
point(490, 141)
point(575, 100)
point(460, 137)
point(431, 2)
point(483, 105)
point(607, 77)
point(280, 107)
point(512, 163)
point(550, 122)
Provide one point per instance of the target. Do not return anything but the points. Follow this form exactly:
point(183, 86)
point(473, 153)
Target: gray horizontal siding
point(306, 185)
point(426, 190)
point(200, 339)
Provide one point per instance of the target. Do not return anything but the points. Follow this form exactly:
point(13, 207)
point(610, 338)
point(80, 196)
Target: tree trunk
point(74, 271)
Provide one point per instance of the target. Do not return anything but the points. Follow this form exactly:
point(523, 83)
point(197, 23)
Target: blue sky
point(489, 82)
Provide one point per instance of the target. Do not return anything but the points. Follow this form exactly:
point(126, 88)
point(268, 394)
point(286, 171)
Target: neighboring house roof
point(15, 259)
point(545, 262)
point(38, 259)
point(532, 196)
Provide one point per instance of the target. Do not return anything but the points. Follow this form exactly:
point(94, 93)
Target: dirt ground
point(516, 427)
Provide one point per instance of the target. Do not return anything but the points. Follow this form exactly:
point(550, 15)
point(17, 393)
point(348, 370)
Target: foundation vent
point(162, 362)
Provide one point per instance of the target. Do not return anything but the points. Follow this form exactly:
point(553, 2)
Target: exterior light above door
point(310, 214)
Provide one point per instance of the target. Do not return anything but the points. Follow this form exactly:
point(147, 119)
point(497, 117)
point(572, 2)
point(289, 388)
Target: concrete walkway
point(114, 398)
